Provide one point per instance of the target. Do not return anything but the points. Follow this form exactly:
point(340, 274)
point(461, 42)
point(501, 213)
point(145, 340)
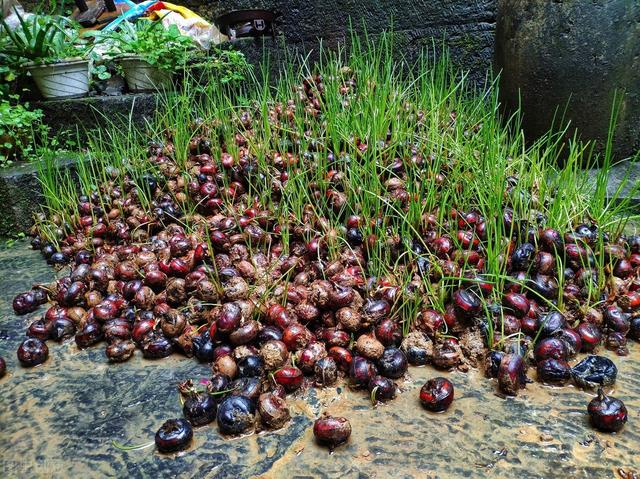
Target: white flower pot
point(68, 79)
point(141, 76)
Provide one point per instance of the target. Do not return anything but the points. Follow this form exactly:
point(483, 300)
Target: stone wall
point(467, 26)
point(572, 58)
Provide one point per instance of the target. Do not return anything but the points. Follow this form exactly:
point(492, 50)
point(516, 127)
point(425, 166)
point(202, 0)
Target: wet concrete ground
point(59, 420)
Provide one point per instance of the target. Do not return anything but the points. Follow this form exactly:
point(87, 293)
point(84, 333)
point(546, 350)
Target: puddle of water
point(59, 419)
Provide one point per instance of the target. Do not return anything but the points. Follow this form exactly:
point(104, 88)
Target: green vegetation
point(164, 48)
point(46, 38)
point(42, 39)
point(373, 116)
point(18, 125)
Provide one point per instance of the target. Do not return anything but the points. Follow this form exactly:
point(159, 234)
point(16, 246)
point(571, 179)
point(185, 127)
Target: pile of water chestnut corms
point(273, 315)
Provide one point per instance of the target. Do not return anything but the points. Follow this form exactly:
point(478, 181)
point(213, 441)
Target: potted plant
point(148, 53)
point(51, 49)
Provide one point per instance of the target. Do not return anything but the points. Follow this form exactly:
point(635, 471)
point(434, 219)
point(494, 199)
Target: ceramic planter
point(142, 76)
point(67, 79)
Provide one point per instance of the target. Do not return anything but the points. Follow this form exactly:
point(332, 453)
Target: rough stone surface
point(69, 117)
point(627, 175)
point(551, 53)
point(59, 419)
point(21, 196)
point(466, 27)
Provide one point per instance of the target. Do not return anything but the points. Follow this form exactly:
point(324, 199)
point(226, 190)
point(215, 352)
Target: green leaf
point(41, 38)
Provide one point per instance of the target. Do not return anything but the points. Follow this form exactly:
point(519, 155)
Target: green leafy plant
point(164, 48)
point(17, 127)
point(42, 39)
point(226, 66)
point(9, 243)
point(57, 7)
point(8, 69)
point(8, 75)
point(101, 72)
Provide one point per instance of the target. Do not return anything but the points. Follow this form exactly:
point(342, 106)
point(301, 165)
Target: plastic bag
point(9, 8)
point(189, 23)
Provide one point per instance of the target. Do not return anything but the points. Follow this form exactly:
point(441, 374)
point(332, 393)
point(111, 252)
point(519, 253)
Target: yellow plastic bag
point(188, 22)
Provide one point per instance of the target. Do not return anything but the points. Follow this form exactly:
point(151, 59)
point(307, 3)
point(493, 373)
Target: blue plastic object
point(136, 10)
